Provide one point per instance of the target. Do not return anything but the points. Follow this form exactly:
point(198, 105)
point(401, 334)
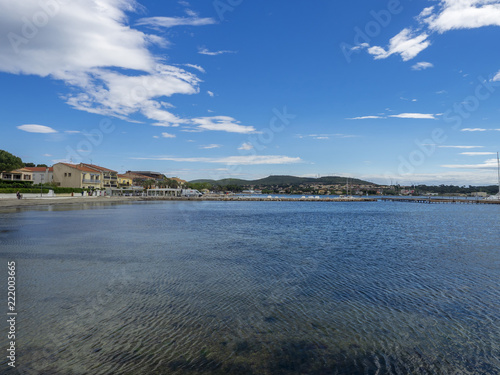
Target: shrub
point(22, 191)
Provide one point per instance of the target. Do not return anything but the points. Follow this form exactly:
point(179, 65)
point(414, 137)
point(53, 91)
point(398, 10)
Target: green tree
point(42, 165)
point(29, 164)
point(9, 162)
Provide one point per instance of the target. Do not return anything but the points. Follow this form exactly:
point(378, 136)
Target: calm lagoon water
point(255, 288)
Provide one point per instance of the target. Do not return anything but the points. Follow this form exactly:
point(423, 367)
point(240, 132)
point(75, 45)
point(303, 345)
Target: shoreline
point(9, 203)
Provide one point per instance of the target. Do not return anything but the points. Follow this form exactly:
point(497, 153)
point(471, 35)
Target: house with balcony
point(17, 175)
point(125, 181)
point(76, 176)
point(109, 177)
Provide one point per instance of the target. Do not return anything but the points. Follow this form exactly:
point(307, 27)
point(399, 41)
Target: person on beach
point(18, 195)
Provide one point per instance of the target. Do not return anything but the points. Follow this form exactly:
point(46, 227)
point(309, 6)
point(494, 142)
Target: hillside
point(285, 180)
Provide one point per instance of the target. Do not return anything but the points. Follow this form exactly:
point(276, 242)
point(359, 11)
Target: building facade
point(76, 176)
point(19, 175)
point(109, 177)
point(42, 175)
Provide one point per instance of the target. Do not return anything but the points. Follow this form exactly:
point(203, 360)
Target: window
point(65, 174)
point(69, 174)
point(27, 177)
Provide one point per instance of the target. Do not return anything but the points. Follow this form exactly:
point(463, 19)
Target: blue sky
point(402, 91)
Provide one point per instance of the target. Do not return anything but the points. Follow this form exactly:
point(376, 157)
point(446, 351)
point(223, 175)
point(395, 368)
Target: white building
point(41, 174)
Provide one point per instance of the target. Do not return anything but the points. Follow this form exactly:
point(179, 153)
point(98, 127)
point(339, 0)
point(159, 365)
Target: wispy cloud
point(208, 147)
point(425, 116)
point(464, 147)
point(210, 93)
point(72, 131)
point(197, 67)
point(205, 51)
point(488, 164)
point(33, 128)
point(365, 118)
point(222, 123)
point(326, 136)
point(175, 21)
point(233, 160)
point(478, 130)
point(422, 65)
point(477, 153)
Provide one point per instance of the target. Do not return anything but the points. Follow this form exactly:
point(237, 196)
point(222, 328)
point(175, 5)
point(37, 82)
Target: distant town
point(92, 179)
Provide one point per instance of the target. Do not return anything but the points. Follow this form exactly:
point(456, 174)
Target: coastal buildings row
point(83, 176)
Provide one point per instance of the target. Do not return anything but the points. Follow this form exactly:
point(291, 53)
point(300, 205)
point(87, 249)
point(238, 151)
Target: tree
point(9, 162)
point(42, 165)
point(29, 164)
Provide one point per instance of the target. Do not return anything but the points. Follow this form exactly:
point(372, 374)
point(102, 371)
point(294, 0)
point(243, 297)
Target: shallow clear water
point(256, 288)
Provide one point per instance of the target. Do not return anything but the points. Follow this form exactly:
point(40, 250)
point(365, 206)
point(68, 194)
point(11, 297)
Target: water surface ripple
point(256, 288)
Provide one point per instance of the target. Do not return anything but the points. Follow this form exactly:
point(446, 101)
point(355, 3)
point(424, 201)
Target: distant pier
point(438, 200)
point(234, 198)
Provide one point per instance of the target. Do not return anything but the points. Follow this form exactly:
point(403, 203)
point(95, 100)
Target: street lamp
point(41, 184)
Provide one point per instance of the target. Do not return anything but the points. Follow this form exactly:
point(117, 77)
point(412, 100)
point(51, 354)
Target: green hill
point(284, 181)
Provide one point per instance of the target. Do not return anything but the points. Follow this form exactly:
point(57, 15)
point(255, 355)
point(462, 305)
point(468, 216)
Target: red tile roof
point(79, 167)
point(97, 167)
point(39, 169)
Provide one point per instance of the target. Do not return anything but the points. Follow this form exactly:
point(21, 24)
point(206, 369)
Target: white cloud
point(478, 130)
point(477, 153)
point(156, 136)
point(234, 160)
point(405, 44)
point(415, 116)
point(175, 21)
point(205, 51)
point(464, 147)
point(89, 45)
point(210, 93)
point(208, 147)
point(168, 135)
point(72, 131)
point(246, 146)
point(32, 128)
point(448, 15)
point(422, 65)
point(473, 130)
point(48, 155)
point(222, 123)
point(365, 118)
point(464, 14)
